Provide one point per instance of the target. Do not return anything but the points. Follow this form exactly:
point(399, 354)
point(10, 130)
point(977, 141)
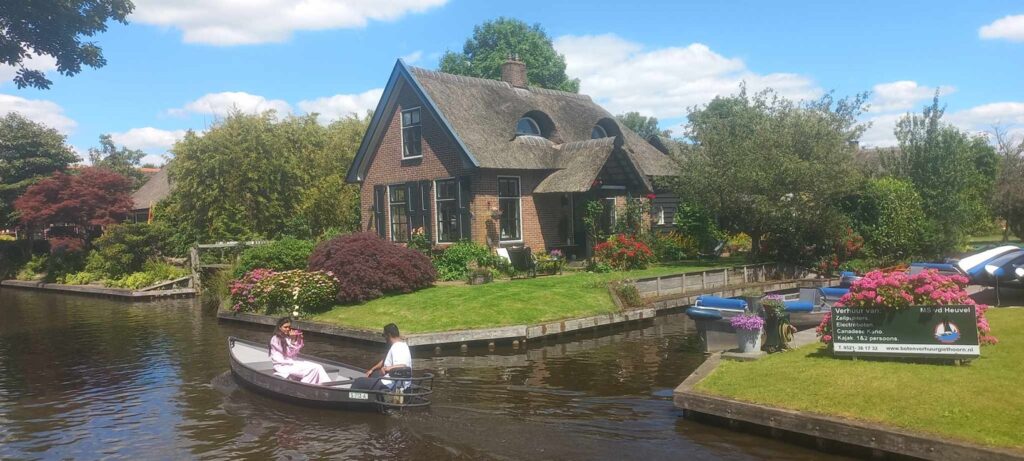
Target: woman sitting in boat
point(284, 347)
point(397, 364)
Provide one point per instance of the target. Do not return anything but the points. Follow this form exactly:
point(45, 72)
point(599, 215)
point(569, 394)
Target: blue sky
point(180, 64)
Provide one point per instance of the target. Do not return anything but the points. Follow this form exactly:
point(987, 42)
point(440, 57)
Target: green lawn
point(501, 303)
point(979, 241)
point(982, 402)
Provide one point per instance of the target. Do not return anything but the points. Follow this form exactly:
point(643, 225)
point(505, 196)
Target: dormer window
point(527, 126)
point(412, 145)
point(597, 132)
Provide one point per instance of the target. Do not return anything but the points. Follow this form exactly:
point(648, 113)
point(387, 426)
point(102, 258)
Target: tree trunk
point(755, 246)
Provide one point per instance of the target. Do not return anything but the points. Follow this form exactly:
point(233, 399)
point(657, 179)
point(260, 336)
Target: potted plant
point(753, 298)
point(777, 327)
point(748, 331)
point(480, 276)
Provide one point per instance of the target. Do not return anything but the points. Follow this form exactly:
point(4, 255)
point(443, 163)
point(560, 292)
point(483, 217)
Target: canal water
point(89, 378)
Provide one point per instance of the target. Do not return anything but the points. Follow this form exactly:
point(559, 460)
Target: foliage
point(494, 41)
point(254, 176)
point(496, 264)
point(592, 213)
point(696, 221)
point(599, 267)
point(673, 246)
point(747, 322)
point(123, 249)
point(739, 243)
point(152, 273)
point(34, 268)
point(80, 278)
point(123, 161)
point(1008, 194)
point(67, 255)
point(13, 255)
point(453, 263)
point(89, 197)
point(29, 153)
point(633, 218)
point(888, 213)
point(243, 290)
point(641, 125)
point(629, 294)
point(623, 252)
point(296, 292)
point(419, 241)
point(952, 170)
point(766, 165)
point(899, 290)
point(280, 255)
point(56, 29)
point(774, 306)
point(369, 267)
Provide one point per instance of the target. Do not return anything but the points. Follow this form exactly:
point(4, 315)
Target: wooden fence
point(710, 280)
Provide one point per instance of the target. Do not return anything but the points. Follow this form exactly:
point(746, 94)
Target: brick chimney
point(513, 71)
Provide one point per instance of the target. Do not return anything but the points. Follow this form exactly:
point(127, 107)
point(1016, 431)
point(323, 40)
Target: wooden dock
point(144, 294)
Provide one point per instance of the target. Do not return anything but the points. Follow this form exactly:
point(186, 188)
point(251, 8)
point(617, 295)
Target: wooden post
point(704, 280)
point(658, 284)
point(196, 275)
point(745, 279)
point(685, 286)
point(725, 277)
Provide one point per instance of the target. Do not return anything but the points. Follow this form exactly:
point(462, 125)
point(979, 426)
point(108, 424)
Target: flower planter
point(748, 341)
point(479, 279)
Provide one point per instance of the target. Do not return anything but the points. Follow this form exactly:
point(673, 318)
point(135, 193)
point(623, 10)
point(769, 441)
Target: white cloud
point(221, 104)
point(43, 63)
point(342, 105)
point(624, 76)
point(42, 111)
point(413, 57)
point(903, 95)
point(148, 138)
point(230, 22)
point(1008, 28)
point(979, 119)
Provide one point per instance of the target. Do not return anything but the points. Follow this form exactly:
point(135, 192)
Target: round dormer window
point(597, 132)
point(527, 126)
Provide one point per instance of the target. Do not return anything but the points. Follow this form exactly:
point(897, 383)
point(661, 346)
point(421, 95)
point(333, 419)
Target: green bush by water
point(281, 255)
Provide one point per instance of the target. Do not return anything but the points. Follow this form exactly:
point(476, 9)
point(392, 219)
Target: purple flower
point(747, 322)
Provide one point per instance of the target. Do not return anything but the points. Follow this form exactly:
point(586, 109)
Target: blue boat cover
point(833, 292)
point(718, 302)
point(844, 274)
point(697, 313)
point(799, 306)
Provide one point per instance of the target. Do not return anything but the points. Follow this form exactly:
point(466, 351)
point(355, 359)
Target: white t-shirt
point(398, 354)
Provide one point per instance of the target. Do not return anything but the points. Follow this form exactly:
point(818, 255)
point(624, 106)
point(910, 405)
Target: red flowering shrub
point(623, 252)
point(899, 290)
point(369, 267)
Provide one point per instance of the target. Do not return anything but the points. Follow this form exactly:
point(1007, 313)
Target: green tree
point(55, 28)
point(122, 160)
point(494, 41)
point(1008, 191)
point(890, 216)
point(764, 165)
point(643, 126)
point(952, 170)
point(29, 152)
point(254, 176)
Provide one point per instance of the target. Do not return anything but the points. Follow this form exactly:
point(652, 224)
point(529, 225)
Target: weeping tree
point(766, 165)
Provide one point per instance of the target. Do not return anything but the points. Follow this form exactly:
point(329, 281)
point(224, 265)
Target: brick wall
point(540, 213)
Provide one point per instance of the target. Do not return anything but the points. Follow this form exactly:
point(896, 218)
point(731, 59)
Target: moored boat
point(251, 366)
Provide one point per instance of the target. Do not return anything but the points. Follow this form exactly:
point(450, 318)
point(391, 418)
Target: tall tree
point(88, 198)
point(29, 152)
point(123, 160)
point(952, 170)
point(765, 165)
point(55, 28)
point(1008, 192)
point(494, 41)
point(643, 126)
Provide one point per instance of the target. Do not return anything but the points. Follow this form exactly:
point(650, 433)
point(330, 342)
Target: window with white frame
point(412, 146)
point(527, 126)
point(399, 209)
point(446, 197)
point(509, 204)
point(608, 220)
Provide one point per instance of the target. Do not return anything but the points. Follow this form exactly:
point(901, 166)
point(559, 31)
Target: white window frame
point(661, 216)
point(401, 131)
point(613, 215)
point(533, 123)
point(391, 233)
point(603, 132)
point(437, 210)
point(519, 209)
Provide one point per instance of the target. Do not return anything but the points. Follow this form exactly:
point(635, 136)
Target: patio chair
point(522, 261)
point(715, 253)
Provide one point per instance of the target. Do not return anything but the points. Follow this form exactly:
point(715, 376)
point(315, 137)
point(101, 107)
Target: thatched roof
point(581, 162)
point(481, 115)
point(155, 189)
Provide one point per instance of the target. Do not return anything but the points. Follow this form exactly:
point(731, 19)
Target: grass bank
point(982, 402)
point(501, 303)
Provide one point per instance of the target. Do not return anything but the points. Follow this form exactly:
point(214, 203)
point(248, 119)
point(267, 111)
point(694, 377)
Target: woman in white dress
point(284, 347)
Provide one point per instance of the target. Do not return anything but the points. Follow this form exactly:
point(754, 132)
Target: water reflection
point(86, 378)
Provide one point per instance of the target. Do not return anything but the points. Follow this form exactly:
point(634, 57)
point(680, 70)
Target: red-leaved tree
point(88, 197)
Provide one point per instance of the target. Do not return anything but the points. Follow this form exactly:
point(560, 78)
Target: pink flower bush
point(899, 290)
point(243, 293)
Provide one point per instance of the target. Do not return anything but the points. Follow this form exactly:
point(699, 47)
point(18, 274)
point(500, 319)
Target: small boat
point(251, 365)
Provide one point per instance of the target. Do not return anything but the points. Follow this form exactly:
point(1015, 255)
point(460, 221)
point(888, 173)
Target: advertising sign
point(921, 331)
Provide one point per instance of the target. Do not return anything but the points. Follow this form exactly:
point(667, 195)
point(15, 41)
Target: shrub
point(674, 246)
point(243, 294)
point(13, 255)
point(35, 268)
point(598, 267)
point(622, 253)
point(67, 255)
point(418, 241)
point(774, 306)
point(122, 250)
point(696, 221)
point(739, 243)
point(282, 255)
point(898, 290)
point(295, 292)
point(453, 262)
point(890, 216)
point(80, 278)
point(151, 273)
point(629, 295)
point(369, 267)
point(495, 263)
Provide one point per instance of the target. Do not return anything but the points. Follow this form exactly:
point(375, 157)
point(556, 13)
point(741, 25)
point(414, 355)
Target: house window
point(527, 126)
point(661, 216)
point(509, 203)
point(608, 220)
point(412, 146)
point(448, 228)
point(399, 213)
point(597, 132)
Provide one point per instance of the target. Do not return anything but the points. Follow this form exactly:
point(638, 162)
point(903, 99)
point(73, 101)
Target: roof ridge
point(588, 142)
point(497, 83)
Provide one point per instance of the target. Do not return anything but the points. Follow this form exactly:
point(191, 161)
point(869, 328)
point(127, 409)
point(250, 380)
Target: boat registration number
point(358, 395)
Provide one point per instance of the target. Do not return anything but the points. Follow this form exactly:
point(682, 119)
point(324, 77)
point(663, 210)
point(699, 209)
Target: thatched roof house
point(155, 189)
